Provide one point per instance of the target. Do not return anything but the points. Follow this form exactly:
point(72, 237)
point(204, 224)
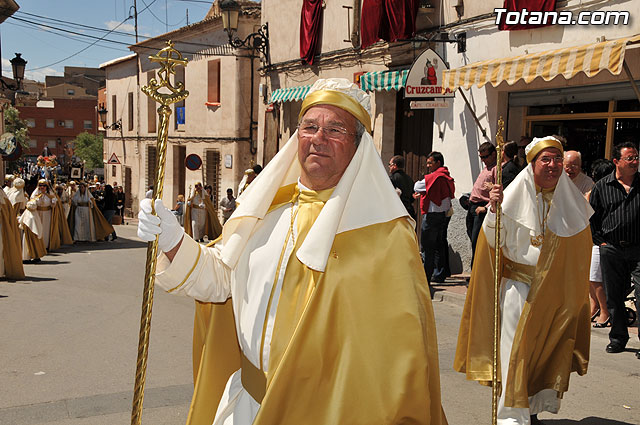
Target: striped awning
point(383, 80)
point(290, 93)
point(590, 59)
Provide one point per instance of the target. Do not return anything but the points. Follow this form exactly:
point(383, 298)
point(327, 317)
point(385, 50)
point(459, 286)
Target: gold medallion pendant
point(537, 240)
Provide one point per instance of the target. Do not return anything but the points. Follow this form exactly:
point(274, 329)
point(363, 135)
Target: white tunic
point(45, 215)
point(213, 281)
point(83, 226)
point(198, 216)
point(515, 240)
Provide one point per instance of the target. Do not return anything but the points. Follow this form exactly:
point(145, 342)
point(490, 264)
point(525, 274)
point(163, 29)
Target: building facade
point(53, 123)
point(592, 110)
point(212, 126)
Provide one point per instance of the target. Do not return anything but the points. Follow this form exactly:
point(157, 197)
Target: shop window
point(570, 108)
point(68, 123)
point(151, 166)
point(130, 110)
point(151, 107)
point(51, 144)
point(33, 143)
point(630, 105)
point(114, 108)
point(49, 123)
point(31, 122)
point(626, 130)
point(213, 82)
point(88, 124)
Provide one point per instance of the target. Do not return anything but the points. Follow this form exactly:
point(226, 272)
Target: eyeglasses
point(331, 132)
point(546, 160)
point(631, 158)
point(485, 156)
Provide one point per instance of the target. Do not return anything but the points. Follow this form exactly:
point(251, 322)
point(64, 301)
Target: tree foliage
point(89, 148)
point(13, 124)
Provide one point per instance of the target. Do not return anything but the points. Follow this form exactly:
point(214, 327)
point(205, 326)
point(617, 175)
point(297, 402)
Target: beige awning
point(590, 59)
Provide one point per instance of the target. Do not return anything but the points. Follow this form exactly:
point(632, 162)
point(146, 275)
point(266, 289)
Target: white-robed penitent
point(528, 213)
point(33, 246)
point(84, 228)
point(16, 195)
point(568, 215)
point(44, 206)
point(198, 215)
point(257, 245)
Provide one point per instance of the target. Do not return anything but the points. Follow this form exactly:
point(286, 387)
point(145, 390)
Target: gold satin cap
point(538, 144)
point(340, 100)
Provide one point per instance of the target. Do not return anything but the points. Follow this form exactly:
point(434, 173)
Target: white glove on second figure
point(164, 224)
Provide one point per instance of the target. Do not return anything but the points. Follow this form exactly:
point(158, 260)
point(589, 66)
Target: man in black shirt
point(403, 182)
point(615, 227)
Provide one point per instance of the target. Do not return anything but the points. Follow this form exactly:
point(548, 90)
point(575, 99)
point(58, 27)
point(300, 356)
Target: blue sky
point(27, 32)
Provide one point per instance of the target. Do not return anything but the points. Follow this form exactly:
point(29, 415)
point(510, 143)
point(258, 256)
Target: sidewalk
point(453, 290)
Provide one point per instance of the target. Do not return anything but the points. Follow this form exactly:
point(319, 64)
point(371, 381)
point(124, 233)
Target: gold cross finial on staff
point(168, 58)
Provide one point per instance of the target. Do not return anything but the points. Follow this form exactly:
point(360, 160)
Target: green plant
point(89, 148)
point(13, 124)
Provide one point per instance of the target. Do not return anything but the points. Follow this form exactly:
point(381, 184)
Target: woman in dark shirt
point(109, 207)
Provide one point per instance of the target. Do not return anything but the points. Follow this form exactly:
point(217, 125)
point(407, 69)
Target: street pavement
point(69, 337)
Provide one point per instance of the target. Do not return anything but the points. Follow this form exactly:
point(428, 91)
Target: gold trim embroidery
point(188, 274)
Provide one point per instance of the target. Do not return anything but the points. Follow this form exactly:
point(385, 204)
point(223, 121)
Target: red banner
point(310, 20)
point(388, 20)
point(531, 6)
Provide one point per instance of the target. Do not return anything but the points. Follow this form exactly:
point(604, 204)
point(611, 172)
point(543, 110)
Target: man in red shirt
point(435, 191)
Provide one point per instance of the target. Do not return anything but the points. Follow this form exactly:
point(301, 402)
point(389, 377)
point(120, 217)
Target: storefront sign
point(424, 78)
point(429, 104)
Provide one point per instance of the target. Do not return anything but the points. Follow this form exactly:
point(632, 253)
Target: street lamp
point(258, 40)
point(102, 113)
point(17, 66)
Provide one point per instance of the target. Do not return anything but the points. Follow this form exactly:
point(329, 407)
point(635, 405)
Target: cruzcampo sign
point(425, 77)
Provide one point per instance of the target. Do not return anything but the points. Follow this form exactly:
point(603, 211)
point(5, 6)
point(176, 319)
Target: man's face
point(209, 191)
point(83, 189)
point(198, 188)
point(547, 167)
point(42, 187)
point(325, 145)
point(432, 165)
point(627, 165)
point(572, 164)
point(392, 167)
point(488, 159)
point(229, 194)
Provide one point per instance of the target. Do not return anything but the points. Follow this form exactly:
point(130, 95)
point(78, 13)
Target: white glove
point(53, 201)
point(164, 224)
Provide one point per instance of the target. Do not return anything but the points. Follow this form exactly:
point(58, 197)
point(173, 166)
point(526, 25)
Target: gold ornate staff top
point(168, 58)
point(497, 278)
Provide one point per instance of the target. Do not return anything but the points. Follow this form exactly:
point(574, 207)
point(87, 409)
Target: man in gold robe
point(322, 313)
point(201, 217)
point(545, 248)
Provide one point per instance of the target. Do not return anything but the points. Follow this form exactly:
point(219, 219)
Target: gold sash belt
point(516, 271)
point(198, 207)
point(83, 204)
point(253, 379)
point(44, 208)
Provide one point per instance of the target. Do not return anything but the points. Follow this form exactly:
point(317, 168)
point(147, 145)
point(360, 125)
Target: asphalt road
point(69, 337)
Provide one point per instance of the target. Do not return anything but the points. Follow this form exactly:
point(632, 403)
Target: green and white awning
point(289, 94)
point(383, 80)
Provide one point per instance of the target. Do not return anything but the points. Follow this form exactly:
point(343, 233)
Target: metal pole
point(168, 59)
point(497, 278)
